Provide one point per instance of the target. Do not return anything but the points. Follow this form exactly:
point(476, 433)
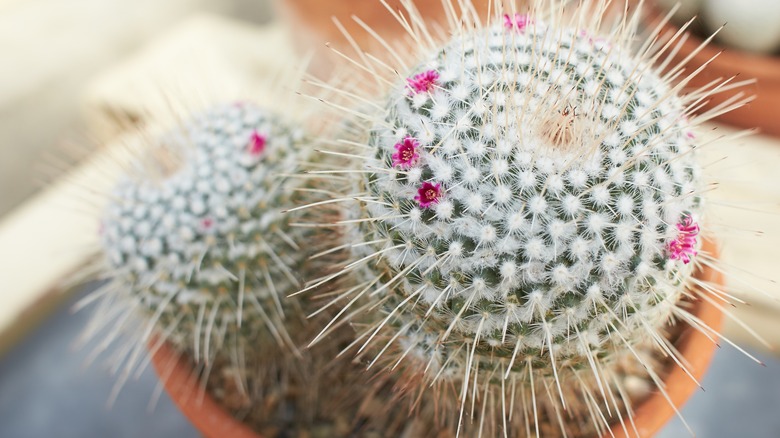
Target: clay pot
point(649, 416)
point(183, 387)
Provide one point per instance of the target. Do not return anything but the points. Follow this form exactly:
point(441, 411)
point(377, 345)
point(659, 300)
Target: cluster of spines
point(471, 290)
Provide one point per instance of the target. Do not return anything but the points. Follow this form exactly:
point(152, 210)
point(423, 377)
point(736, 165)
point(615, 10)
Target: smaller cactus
point(201, 241)
point(198, 239)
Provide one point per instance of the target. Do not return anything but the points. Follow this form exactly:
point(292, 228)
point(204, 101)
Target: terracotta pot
point(650, 416)
point(762, 112)
point(205, 414)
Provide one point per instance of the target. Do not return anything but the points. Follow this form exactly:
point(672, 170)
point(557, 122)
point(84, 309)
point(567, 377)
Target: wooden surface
point(311, 24)
point(726, 62)
point(43, 241)
point(51, 50)
point(205, 59)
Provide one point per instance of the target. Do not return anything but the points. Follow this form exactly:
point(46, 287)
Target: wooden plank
point(45, 241)
point(205, 59)
point(744, 214)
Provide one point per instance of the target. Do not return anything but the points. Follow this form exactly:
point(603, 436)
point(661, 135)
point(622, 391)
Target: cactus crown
point(204, 247)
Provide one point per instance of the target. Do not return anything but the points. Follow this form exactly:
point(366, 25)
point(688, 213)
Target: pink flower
point(518, 22)
point(257, 143)
point(599, 42)
point(406, 152)
point(428, 194)
point(688, 133)
point(684, 246)
point(585, 34)
point(423, 82)
point(207, 225)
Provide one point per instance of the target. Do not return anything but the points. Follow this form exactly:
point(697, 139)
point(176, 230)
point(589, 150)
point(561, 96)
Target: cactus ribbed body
point(205, 248)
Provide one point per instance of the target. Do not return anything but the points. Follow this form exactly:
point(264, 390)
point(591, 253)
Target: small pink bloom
point(598, 42)
point(406, 153)
point(428, 194)
point(423, 82)
point(688, 133)
point(519, 22)
point(206, 223)
point(684, 246)
point(508, 22)
point(603, 42)
point(257, 143)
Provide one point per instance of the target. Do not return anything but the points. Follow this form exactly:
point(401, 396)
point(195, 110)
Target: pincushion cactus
point(202, 250)
point(525, 215)
point(508, 210)
point(198, 239)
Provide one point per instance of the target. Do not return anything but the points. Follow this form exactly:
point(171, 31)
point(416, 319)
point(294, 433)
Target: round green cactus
point(203, 246)
point(527, 213)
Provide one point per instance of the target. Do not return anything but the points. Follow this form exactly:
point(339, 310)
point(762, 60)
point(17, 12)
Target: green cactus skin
point(204, 249)
point(527, 209)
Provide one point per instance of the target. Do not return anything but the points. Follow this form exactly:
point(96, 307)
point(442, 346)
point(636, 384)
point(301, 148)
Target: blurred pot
point(762, 112)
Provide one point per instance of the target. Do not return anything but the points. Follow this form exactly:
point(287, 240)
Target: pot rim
point(184, 388)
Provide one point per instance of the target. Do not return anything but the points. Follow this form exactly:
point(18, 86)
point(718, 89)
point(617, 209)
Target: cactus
point(526, 214)
point(201, 239)
point(198, 239)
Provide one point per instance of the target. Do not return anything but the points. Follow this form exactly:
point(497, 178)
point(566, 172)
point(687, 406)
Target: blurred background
point(76, 75)
point(53, 49)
